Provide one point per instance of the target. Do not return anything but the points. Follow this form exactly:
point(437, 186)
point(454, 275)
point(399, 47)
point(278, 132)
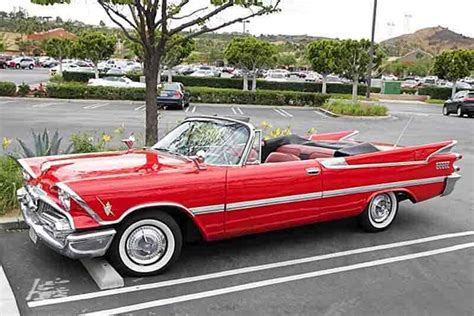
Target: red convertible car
point(214, 178)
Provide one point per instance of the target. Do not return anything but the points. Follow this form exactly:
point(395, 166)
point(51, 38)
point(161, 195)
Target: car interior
point(294, 148)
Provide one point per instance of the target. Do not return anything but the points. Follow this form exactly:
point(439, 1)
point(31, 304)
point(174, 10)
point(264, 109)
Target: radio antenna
point(402, 133)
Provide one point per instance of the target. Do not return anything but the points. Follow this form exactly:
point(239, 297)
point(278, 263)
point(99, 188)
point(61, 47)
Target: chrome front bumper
point(450, 183)
point(58, 236)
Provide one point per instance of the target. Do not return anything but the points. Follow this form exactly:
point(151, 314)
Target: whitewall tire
point(380, 213)
point(146, 244)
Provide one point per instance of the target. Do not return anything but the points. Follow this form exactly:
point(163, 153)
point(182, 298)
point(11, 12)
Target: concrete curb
point(331, 114)
point(8, 305)
point(7, 223)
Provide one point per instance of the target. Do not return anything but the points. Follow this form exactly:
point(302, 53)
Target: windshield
point(219, 142)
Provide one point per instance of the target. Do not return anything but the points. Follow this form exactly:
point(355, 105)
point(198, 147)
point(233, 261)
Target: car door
point(262, 197)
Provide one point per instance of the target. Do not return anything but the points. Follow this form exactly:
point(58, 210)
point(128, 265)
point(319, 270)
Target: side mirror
point(129, 142)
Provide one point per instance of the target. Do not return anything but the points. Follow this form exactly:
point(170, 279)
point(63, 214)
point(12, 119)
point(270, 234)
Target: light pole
point(244, 23)
point(371, 51)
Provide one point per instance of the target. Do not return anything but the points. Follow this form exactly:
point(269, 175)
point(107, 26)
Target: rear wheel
point(17, 66)
point(146, 244)
point(30, 67)
point(445, 110)
point(459, 112)
point(380, 213)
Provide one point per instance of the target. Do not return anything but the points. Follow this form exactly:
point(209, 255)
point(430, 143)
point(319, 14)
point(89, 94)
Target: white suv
point(25, 62)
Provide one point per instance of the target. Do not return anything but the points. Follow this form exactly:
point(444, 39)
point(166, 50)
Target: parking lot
point(422, 265)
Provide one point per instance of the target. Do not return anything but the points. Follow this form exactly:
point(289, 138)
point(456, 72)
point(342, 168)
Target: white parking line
point(279, 112)
point(244, 270)
point(194, 109)
point(187, 109)
point(140, 108)
point(275, 281)
point(320, 113)
point(233, 110)
point(7, 299)
point(410, 113)
point(44, 105)
point(287, 113)
point(6, 102)
point(95, 106)
point(240, 111)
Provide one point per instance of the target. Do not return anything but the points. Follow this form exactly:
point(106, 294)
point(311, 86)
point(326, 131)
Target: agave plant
point(44, 145)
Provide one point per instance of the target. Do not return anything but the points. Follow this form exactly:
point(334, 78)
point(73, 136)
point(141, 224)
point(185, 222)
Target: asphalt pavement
point(19, 76)
point(424, 276)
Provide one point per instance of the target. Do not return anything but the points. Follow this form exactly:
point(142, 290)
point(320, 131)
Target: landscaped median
point(73, 90)
point(340, 108)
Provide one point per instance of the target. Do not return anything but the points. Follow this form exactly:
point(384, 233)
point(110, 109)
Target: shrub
point(7, 88)
point(234, 83)
point(342, 108)
point(435, 92)
point(23, 89)
point(263, 97)
point(44, 145)
point(74, 90)
point(10, 181)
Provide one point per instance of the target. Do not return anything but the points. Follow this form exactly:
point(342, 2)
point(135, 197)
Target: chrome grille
point(48, 215)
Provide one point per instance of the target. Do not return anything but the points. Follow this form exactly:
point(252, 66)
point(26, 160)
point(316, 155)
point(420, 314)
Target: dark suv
point(462, 103)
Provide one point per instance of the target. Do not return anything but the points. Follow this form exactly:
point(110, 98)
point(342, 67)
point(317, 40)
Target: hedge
point(435, 92)
point(7, 88)
point(74, 90)
point(235, 83)
point(263, 97)
point(358, 109)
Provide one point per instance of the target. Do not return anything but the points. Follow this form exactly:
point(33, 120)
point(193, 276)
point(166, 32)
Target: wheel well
point(404, 195)
point(189, 229)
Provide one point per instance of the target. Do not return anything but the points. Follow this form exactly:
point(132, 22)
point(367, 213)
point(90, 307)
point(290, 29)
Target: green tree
point(177, 53)
point(353, 60)
point(323, 58)
point(58, 48)
point(95, 46)
point(453, 65)
point(250, 54)
point(139, 20)
point(286, 60)
point(2, 46)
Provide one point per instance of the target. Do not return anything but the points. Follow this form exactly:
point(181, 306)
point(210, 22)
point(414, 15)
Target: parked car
point(4, 61)
point(461, 104)
point(72, 67)
point(173, 94)
point(22, 63)
point(212, 178)
point(118, 82)
point(276, 77)
point(202, 73)
point(115, 71)
point(410, 84)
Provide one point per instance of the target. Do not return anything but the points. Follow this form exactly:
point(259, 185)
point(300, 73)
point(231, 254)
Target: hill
point(431, 39)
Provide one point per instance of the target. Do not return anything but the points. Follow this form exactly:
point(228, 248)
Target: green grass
point(10, 181)
point(348, 109)
point(435, 101)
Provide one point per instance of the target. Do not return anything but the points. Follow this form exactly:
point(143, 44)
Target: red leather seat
point(280, 157)
point(306, 152)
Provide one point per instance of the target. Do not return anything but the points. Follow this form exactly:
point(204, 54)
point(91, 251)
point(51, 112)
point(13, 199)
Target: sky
point(330, 18)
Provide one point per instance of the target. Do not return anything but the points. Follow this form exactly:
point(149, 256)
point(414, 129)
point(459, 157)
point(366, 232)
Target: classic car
point(214, 177)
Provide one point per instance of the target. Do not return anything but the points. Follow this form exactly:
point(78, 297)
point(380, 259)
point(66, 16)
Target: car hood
point(71, 168)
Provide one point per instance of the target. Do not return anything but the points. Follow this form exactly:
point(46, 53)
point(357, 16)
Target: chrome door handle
point(312, 171)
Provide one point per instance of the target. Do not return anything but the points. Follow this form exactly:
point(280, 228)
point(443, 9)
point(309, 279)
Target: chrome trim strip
point(207, 209)
point(331, 165)
point(347, 137)
point(444, 150)
point(273, 201)
point(27, 168)
point(141, 206)
point(80, 201)
point(383, 186)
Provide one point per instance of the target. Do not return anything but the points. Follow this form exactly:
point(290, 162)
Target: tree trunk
point(246, 82)
point(453, 90)
point(324, 87)
point(170, 75)
point(254, 81)
point(159, 76)
point(151, 71)
point(96, 71)
point(355, 85)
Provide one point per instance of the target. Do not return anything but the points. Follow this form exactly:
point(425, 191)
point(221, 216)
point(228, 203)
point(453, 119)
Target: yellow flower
point(106, 138)
point(6, 143)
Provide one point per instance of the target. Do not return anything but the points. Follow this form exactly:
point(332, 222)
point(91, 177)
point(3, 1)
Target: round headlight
point(65, 199)
point(26, 176)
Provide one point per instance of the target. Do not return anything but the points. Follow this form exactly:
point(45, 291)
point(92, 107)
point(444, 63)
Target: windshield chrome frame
point(248, 146)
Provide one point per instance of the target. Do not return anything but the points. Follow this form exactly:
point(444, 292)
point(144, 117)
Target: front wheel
point(146, 244)
point(459, 112)
point(30, 67)
point(445, 110)
point(380, 213)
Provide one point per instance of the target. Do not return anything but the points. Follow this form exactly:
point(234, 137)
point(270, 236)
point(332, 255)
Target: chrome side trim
point(450, 183)
point(332, 165)
point(446, 149)
point(80, 201)
point(274, 201)
point(347, 137)
point(207, 209)
point(383, 186)
point(27, 168)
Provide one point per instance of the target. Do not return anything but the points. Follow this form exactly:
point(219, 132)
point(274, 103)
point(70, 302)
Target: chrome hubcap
point(381, 208)
point(146, 245)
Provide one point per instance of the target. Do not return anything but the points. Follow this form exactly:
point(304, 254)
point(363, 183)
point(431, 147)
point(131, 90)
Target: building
point(54, 33)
